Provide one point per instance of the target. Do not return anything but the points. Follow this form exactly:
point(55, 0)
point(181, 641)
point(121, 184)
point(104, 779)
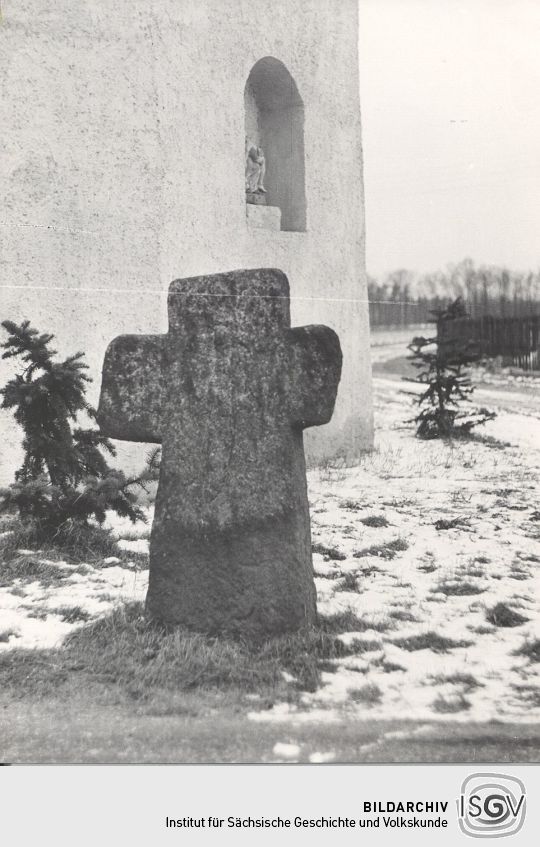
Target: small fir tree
point(64, 478)
point(442, 361)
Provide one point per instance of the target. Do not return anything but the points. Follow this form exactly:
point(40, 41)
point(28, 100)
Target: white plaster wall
point(123, 168)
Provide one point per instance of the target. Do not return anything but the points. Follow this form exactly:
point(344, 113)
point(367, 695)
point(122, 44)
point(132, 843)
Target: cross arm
point(132, 393)
point(315, 370)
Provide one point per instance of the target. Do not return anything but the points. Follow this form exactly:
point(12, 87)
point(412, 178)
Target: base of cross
point(252, 581)
point(256, 198)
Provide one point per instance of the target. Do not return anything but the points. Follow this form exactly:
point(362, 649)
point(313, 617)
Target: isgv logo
point(491, 805)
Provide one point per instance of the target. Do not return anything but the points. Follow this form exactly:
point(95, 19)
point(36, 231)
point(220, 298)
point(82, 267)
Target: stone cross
point(227, 392)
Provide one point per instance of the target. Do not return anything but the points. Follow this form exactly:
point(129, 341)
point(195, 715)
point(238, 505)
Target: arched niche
point(274, 120)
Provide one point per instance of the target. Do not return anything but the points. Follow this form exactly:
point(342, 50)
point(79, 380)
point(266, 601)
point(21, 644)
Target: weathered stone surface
point(133, 390)
point(228, 392)
point(255, 198)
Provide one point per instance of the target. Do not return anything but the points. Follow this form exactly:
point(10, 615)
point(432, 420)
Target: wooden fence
point(399, 309)
point(517, 340)
point(403, 311)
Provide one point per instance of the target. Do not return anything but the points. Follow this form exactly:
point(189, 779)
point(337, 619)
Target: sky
point(450, 97)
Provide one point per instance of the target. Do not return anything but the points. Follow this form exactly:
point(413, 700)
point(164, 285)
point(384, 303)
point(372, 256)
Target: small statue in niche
point(255, 169)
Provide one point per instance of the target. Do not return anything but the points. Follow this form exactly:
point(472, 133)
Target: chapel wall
point(122, 171)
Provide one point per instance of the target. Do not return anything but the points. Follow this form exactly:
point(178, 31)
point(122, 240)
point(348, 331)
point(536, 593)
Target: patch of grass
point(351, 505)
point(528, 557)
point(38, 612)
point(374, 521)
point(467, 680)
point(327, 666)
point(369, 570)
point(29, 569)
point(173, 708)
point(79, 546)
point(520, 601)
point(135, 660)
point(452, 523)
point(383, 551)
point(348, 582)
point(368, 695)
point(428, 567)
point(450, 705)
point(359, 646)
point(355, 669)
point(460, 496)
point(5, 635)
point(332, 470)
point(299, 655)
point(515, 507)
point(347, 621)
point(79, 543)
point(398, 503)
point(71, 614)
point(472, 571)
point(402, 615)
point(519, 574)
point(458, 589)
point(487, 441)
point(530, 649)
point(136, 534)
point(391, 667)
point(131, 558)
point(429, 641)
point(530, 694)
point(503, 615)
point(331, 553)
point(332, 575)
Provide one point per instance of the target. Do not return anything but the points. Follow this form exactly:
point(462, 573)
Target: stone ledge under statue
point(255, 198)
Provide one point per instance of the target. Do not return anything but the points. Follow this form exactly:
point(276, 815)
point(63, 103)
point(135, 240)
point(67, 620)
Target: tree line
point(404, 298)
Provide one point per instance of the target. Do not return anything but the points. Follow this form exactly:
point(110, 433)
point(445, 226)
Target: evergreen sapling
point(64, 478)
point(442, 361)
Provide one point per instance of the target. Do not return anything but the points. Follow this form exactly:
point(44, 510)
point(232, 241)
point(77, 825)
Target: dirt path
point(120, 735)
point(507, 399)
point(518, 399)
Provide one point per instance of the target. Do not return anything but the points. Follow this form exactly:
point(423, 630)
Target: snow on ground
point(41, 615)
point(444, 581)
point(491, 556)
point(509, 377)
point(412, 583)
point(37, 615)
